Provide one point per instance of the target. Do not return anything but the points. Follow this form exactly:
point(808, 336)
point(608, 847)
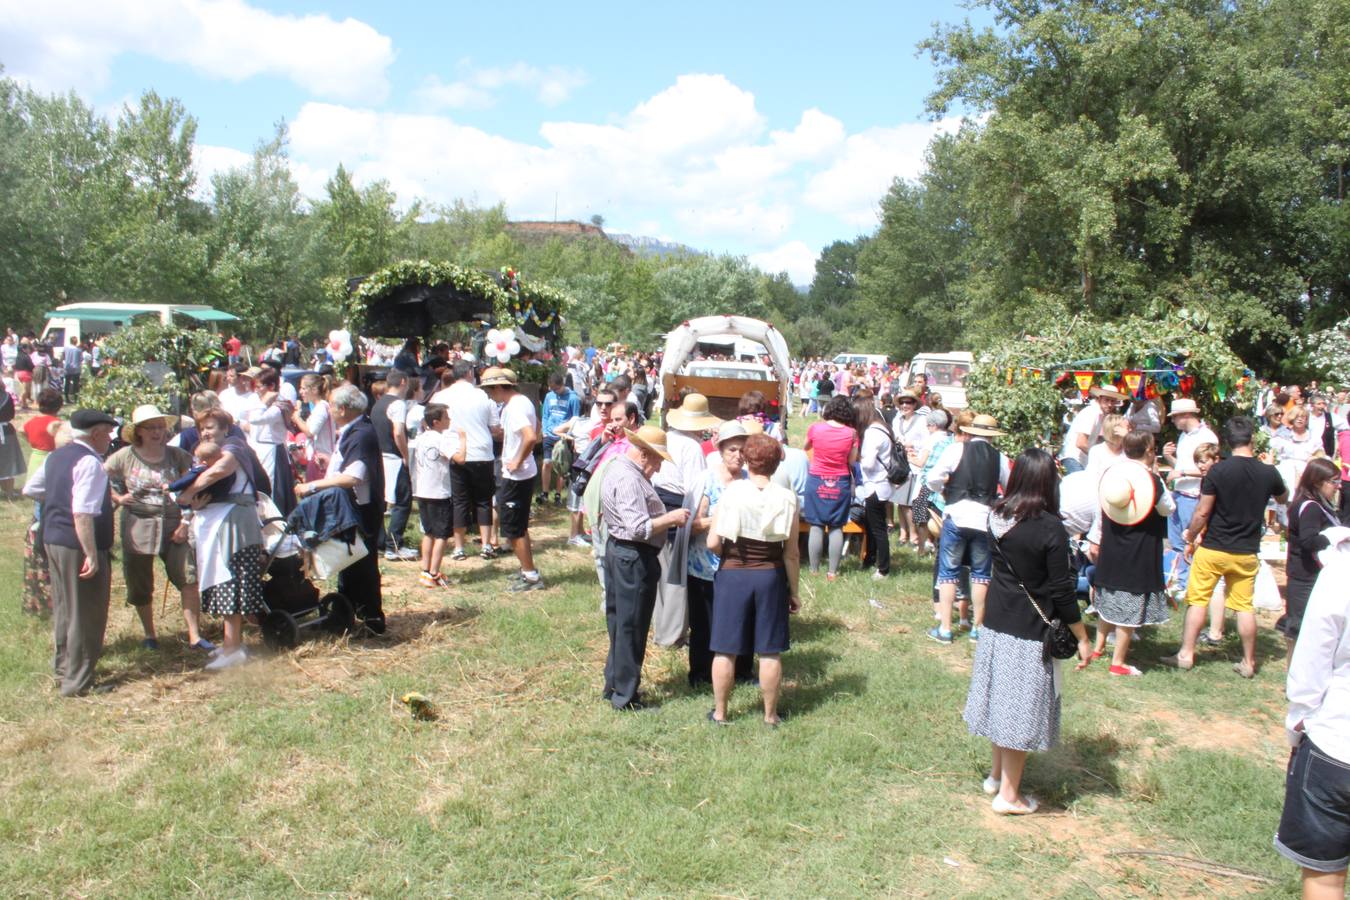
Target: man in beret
point(77, 527)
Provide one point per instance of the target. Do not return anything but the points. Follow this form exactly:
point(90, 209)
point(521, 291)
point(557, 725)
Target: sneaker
point(937, 634)
point(227, 660)
point(964, 624)
point(391, 554)
point(1125, 670)
point(991, 785)
point(541, 499)
point(203, 644)
point(150, 644)
point(459, 555)
point(879, 576)
point(407, 554)
point(557, 499)
point(578, 541)
point(1204, 640)
point(524, 584)
point(427, 580)
point(489, 552)
point(974, 634)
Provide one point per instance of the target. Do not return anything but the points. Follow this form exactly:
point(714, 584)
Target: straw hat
point(251, 372)
point(144, 415)
point(1183, 406)
point(1127, 493)
point(1108, 392)
point(906, 394)
point(984, 426)
point(497, 377)
point(729, 430)
point(692, 415)
point(650, 438)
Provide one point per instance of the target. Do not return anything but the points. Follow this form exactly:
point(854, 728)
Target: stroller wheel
point(279, 631)
point(339, 618)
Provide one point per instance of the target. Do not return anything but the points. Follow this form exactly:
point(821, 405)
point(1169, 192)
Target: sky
point(767, 130)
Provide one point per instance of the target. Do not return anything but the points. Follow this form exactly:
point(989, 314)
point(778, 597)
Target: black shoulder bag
point(1058, 641)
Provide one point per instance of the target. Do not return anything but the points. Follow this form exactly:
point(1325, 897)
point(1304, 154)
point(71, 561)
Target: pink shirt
point(830, 447)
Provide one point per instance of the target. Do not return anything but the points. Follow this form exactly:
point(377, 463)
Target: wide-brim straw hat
point(1127, 493)
point(497, 377)
point(906, 394)
point(984, 426)
point(1109, 392)
point(692, 415)
point(651, 438)
point(1182, 406)
point(144, 415)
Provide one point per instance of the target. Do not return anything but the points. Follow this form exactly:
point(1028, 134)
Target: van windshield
point(947, 374)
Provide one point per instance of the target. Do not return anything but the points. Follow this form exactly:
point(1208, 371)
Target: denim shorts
point(959, 547)
point(1315, 825)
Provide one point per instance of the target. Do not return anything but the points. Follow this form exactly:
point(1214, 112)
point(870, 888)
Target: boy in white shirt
point(432, 452)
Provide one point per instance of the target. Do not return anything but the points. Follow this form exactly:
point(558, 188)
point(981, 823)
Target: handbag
point(333, 555)
point(1058, 641)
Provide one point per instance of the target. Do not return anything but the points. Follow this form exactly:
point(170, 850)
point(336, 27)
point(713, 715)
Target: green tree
point(360, 230)
point(264, 264)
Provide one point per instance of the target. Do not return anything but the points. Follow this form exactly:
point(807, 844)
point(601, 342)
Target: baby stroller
point(318, 539)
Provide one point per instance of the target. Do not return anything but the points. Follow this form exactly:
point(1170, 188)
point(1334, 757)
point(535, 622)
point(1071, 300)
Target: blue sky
point(761, 129)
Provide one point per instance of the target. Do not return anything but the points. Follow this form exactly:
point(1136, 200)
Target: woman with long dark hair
point(874, 488)
point(1312, 510)
point(833, 445)
point(1014, 688)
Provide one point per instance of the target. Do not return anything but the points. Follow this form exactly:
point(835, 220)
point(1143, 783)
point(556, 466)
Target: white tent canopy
point(680, 344)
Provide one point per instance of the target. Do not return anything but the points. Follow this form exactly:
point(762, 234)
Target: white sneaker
point(1004, 808)
point(227, 660)
point(991, 785)
point(878, 576)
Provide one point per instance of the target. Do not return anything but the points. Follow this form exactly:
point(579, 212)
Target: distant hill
point(648, 246)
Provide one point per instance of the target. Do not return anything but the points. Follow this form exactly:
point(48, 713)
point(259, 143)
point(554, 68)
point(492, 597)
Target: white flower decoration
point(501, 345)
point(339, 345)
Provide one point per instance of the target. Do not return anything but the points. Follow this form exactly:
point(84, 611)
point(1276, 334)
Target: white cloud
point(794, 258)
point(74, 43)
point(853, 186)
point(209, 160)
point(479, 87)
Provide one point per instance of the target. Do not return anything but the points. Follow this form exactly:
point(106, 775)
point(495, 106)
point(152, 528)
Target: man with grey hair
point(356, 465)
point(77, 528)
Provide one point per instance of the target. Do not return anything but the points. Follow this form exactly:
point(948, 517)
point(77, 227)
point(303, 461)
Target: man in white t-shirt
point(1086, 428)
point(240, 397)
point(520, 434)
point(472, 484)
point(1185, 477)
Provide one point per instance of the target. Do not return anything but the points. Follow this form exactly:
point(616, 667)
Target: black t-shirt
point(1240, 486)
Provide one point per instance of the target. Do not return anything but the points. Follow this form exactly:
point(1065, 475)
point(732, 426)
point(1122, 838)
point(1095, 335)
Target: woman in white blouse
point(754, 530)
point(1314, 828)
point(874, 488)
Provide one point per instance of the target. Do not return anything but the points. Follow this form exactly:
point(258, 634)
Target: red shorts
point(24, 375)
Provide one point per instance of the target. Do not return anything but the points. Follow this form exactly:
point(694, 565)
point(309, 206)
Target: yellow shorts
point(1238, 571)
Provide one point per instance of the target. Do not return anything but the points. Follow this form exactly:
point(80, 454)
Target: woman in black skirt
point(1014, 690)
point(1311, 511)
point(1129, 576)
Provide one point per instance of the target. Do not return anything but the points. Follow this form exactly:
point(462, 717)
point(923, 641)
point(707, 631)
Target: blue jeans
point(963, 547)
point(1070, 465)
point(1176, 523)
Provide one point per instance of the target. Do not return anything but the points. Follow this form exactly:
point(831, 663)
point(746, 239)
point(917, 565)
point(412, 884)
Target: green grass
point(300, 773)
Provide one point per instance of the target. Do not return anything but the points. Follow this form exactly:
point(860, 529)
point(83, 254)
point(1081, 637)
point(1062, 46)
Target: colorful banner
point(1133, 378)
point(1084, 381)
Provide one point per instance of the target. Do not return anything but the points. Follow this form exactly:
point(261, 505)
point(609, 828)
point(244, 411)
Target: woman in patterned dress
point(228, 534)
point(1014, 689)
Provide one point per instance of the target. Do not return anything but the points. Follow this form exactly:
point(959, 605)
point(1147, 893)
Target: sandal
point(1244, 669)
point(721, 723)
point(1175, 662)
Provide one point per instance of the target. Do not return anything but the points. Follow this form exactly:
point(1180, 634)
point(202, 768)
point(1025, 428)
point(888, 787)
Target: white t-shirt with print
point(431, 454)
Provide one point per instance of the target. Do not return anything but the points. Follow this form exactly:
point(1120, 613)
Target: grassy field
point(301, 774)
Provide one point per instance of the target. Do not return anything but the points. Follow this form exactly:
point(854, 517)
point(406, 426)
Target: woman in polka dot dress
point(228, 535)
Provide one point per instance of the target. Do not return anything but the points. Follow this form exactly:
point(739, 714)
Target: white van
point(946, 374)
point(85, 320)
point(867, 360)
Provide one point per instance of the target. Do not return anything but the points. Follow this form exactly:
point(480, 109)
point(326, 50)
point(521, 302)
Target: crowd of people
point(697, 529)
